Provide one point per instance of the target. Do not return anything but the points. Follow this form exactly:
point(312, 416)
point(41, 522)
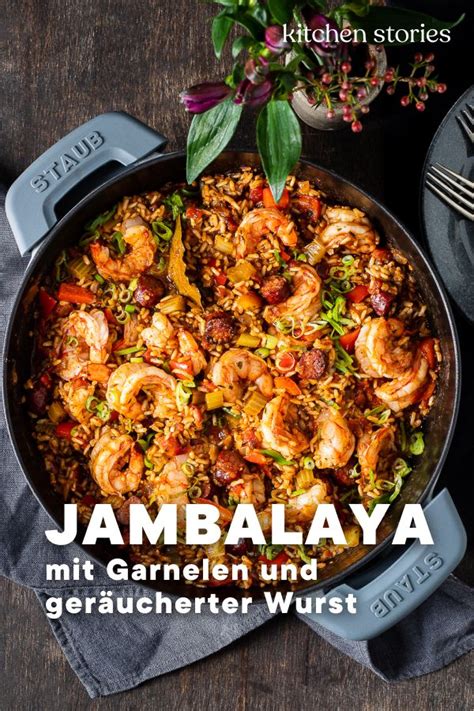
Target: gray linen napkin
point(112, 653)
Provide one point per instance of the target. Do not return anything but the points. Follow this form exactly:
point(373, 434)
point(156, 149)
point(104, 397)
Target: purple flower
point(201, 97)
point(322, 30)
point(242, 90)
point(274, 39)
point(260, 94)
point(253, 94)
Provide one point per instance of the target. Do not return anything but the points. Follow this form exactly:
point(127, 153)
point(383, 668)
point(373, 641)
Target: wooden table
point(68, 61)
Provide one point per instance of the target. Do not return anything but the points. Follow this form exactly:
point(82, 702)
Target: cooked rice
point(214, 208)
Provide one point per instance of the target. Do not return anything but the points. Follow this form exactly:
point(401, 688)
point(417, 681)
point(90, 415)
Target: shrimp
point(348, 228)
point(160, 333)
point(377, 351)
point(86, 340)
point(239, 365)
point(191, 351)
point(302, 508)
point(142, 245)
point(334, 442)
point(75, 394)
point(163, 336)
point(408, 388)
point(276, 430)
point(129, 379)
point(265, 519)
point(171, 486)
point(305, 301)
point(261, 222)
point(116, 463)
point(249, 489)
point(373, 445)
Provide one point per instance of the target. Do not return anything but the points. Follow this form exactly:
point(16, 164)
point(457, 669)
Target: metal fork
point(456, 190)
point(467, 121)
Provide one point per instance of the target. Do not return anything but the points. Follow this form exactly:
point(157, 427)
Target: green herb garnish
point(278, 458)
point(120, 245)
point(303, 555)
point(131, 349)
point(92, 225)
point(161, 230)
point(344, 362)
point(417, 444)
point(175, 204)
point(270, 552)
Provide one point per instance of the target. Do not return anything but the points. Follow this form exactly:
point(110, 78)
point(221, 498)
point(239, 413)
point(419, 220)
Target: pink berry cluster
point(420, 83)
point(338, 86)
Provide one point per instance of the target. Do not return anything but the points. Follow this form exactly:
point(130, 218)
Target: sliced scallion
point(131, 349)
point(417, 444)
point(161, 230)
point(120, 245)
point(278, 458)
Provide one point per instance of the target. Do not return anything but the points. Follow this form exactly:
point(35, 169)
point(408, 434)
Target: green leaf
point(251, 24)
point(260, 13)
point(381, 18)
point(359, 8)
point(240, 43)
point(281, 10)
point(279, 143)
point(221, 26)
point(209, 134)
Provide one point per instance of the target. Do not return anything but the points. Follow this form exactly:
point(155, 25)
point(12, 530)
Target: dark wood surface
point(65, 62)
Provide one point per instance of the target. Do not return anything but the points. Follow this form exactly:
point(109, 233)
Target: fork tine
point(467, 130)
point(454, 205)
point(446, 178)
point(468, 203)
point(468, 117)
point(458, 177)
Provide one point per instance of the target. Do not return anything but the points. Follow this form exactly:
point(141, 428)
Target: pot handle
point(401, 582)
point(101, 143)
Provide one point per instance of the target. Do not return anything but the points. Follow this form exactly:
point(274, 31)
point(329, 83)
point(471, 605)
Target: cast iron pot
point(47, 208)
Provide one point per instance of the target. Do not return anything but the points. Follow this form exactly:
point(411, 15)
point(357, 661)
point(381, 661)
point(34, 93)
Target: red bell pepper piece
point(256, 458)
point(193, 213)
point(220, 279)
point(64, 429)
point(183, 371)
point(269, 201)
point(47, 303)
point(348, 340)
point(75, 294)
point(285, 361)
point(110, 316)
point(282, 557)
point(358, 293)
